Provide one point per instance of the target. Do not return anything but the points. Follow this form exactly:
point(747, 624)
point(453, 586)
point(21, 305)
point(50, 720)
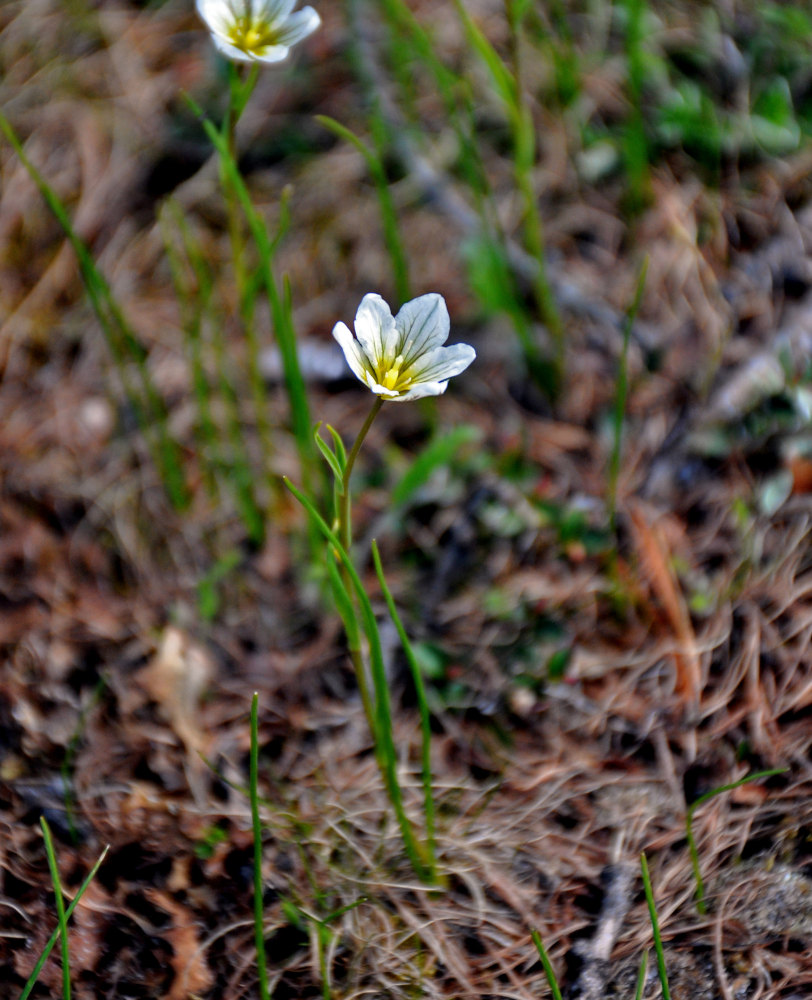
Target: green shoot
point(635, 142)
point(641, 977)
point(549, 972)
point(278, 299)
point(655, 928)
point(508, 85)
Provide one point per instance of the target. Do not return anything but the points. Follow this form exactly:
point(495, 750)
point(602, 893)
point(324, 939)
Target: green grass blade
point(329, 455)
point(549, 972)
point(435, 455)
point(621, 393)
point(501, 76)
point(423, 707)
point(194, 293)
point(389, 216)
point(46, 951)
point(256, 823)
point(280, 315)
point(655, 928)
point(338, 446)
point(344, 605)
point(146, 401)
point(60, 906)
point(641, 977)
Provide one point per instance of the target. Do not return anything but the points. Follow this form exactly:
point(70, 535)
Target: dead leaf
point(176, 679)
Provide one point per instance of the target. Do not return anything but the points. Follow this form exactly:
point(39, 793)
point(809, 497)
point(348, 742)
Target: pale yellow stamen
point(392, 378)
point(252, 35)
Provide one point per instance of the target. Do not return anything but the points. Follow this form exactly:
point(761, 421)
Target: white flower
point(257, 30)
point(401, 357)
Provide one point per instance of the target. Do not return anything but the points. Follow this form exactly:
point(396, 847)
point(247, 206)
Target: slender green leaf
point(502, 78)
point(435, 455)
point(549, 972)
point(46, 951)
point(125, 347)
point(655, 928)
point(280, 315)
point(389, 217)
point(60, 906)
point(329, 455)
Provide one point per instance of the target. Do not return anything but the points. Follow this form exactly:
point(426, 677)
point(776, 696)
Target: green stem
point(345, 536)
point(242, 81)
point(344, 522)
point(259, 931)
point(381, 726)
point(655, 928)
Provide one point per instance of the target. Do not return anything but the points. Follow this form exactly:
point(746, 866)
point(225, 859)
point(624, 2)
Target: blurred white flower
point(257, 30)
point(401, 357)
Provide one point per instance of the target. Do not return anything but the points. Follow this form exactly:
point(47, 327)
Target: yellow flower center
point(392, 378)
point(251, 35)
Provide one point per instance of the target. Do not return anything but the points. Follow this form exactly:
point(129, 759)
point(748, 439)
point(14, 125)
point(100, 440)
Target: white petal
point(298, 26)
point(375, 329)
point(442, 363)
point(422, 324)
point(353, 352)
point(381, 390)
point(274, 11)
point(272, 53)
point(423, 389)
point(232, 52)
point(217, 14)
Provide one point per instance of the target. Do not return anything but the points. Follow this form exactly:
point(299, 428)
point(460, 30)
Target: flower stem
point(345, 537)
point(344, 521)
